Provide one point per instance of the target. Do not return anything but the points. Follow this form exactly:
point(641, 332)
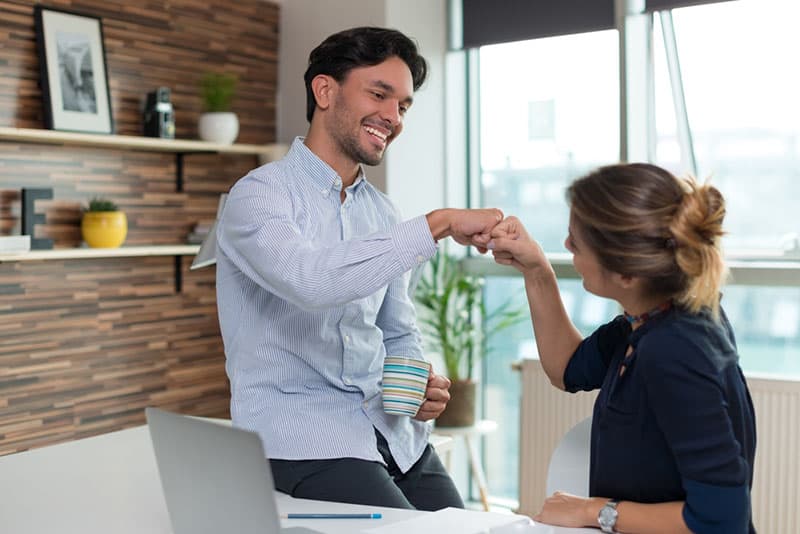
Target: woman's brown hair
point(642, 221)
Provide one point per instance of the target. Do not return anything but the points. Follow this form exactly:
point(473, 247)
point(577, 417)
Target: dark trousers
point(426, 486)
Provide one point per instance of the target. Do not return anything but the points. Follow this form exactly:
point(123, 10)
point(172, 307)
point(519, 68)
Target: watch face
point(607, 517)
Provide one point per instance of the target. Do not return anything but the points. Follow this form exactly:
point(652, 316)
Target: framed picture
point(74, 78)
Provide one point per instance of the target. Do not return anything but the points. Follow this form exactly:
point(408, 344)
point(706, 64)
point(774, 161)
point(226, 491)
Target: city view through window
point(549, 112)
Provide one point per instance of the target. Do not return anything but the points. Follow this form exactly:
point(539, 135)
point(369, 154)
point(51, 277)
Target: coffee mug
point(404, 383)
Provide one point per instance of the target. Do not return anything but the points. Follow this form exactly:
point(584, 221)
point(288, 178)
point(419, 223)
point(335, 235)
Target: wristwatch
point(607, 518)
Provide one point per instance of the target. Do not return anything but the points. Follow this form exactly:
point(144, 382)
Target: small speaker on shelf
point(159, 118)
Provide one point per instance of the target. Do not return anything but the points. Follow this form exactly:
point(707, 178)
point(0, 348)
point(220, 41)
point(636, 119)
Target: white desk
point(109, 484)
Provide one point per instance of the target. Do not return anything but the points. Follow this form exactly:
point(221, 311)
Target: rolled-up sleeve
point(716, 509)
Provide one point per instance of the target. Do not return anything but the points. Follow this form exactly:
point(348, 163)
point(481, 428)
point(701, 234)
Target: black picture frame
point(74, 77)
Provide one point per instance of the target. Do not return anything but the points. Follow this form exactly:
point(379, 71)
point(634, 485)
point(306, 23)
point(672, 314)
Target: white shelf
point(84, 253)
point(150, 144)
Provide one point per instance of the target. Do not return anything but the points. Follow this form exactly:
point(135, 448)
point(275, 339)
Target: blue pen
point(332, 516)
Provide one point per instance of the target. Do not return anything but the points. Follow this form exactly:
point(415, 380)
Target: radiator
point(547, 413)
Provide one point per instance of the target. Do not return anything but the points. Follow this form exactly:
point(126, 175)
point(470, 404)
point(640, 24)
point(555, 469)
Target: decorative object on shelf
point(15, 244)
point(74, 80)
point(218, 124)
point(158, 117)
point(103, 225)
point(455, 323)
point(30, 218)
point(207, 255)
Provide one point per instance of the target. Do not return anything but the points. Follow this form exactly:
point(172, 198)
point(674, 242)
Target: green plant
point(101, 204)
point(453, 316)
point(217, 90)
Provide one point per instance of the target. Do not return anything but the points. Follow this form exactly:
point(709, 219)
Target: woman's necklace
point(661, 308)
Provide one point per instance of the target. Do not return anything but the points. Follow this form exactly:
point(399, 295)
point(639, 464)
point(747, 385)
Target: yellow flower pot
point(104, 229)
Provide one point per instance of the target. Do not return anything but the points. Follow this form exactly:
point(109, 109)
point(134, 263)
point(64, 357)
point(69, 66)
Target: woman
point(673, 430)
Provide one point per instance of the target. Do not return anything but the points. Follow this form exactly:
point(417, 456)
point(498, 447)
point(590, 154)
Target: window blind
point(500, 21)
point(485, 22)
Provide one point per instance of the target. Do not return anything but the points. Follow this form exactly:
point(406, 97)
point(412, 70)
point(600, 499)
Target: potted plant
point(103, 225)
point(454, 322)
point(218, 124)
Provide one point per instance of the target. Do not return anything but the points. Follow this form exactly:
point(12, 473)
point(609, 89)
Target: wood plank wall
point(85, 345)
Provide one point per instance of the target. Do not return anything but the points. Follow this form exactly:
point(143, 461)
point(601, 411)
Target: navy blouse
point(678, 424)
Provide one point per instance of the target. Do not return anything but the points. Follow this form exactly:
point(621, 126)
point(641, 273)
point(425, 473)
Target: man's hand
point(511, 245)
point(466, 227)
point(436, 397)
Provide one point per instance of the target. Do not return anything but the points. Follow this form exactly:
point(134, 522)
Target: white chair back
point(569, 464)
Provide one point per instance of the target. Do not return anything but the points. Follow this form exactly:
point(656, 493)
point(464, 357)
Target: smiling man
point(313, 268)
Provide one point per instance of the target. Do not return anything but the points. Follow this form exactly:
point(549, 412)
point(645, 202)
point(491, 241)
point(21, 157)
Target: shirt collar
point(316, 170)
point(636, 335)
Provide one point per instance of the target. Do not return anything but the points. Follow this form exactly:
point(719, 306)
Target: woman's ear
point(323, 86)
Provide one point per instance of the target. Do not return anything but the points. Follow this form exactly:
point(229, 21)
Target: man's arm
point(259, 235)
point(397, 319)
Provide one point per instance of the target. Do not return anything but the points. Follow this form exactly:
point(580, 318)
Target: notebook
point(215, 478)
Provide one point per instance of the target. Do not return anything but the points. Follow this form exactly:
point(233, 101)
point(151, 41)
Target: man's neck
point(346, 168)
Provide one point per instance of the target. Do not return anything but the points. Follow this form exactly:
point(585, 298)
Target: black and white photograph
point(73, 70)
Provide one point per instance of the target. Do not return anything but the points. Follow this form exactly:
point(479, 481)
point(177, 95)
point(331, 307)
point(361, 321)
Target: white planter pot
point(218, 127)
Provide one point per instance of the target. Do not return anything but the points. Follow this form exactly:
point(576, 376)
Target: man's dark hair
point(361, 47)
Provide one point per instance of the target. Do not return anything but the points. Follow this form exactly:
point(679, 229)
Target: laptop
point(215, 477)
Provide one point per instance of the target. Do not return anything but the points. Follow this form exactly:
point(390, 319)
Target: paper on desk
point(458, 521)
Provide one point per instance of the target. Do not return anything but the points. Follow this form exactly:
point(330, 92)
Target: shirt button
point(337, 183)
point(366, 404)
point(420, 259)
point(347, 339)
point(325, 192)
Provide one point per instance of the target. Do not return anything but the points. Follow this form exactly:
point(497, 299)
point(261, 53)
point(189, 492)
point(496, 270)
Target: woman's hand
point(567, 510)
point(511, 245)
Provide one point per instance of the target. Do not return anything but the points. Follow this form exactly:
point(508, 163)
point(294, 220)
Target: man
point(312, 283)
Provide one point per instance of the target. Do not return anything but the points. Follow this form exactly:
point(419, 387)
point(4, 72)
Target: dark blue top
point(678, 425)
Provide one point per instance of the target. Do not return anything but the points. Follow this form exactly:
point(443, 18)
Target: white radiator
point(547, 413)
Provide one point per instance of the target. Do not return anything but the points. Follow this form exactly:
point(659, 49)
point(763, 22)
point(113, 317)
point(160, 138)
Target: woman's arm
point(571, 511)
point(556, 336)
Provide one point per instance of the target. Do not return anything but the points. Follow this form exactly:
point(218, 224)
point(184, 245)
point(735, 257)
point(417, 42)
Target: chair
point(569, 465)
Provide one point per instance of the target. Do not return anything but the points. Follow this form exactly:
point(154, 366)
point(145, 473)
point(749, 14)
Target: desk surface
point(110, 483)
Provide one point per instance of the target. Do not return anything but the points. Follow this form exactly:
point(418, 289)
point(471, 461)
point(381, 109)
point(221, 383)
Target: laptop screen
point(215, 477)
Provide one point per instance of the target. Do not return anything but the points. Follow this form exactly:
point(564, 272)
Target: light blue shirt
point(312, 295)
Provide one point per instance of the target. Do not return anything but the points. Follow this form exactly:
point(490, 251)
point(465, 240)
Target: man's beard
point(348, 142)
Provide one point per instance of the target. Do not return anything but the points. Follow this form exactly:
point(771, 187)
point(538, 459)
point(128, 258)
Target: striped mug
point(404, 384)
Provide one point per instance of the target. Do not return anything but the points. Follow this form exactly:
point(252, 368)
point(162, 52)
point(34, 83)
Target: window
point(549, 112)
point(742, 92)
point(744, 115)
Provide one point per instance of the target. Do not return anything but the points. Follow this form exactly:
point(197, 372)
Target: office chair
point(569, 465)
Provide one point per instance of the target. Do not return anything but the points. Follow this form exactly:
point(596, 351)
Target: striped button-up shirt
point(312, 294)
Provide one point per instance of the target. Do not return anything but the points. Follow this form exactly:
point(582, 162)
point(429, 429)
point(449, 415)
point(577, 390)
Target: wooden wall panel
point(85, 345)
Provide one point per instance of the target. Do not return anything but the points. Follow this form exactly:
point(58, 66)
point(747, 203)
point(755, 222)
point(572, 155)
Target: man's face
point(368, 109)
